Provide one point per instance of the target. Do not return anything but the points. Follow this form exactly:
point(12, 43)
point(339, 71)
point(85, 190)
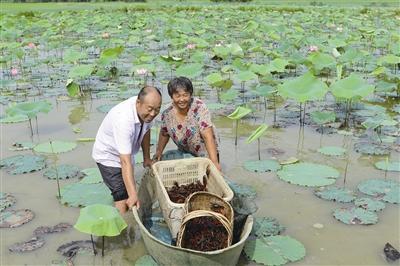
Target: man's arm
point(129, 180)
point(163, 139)
point(146, 149)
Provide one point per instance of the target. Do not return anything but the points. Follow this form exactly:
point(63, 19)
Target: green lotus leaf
point(308, 174)
point(29, 109)
point(355, 216)
point(244, 76)
point(81, 194)
point(388, 166)
point(396, 108)
point(257, 133)
point(350, 87)
point(239, 113)
point(229, 95)
point(377, 121)
point(235, 50)
point(372, 148)
point(274, 250)
point(369, 204)
point(100, 220)
point(214, 79)
point(81, 71)
point(262, 166)
point(108, 94)
point(64, 171)
point(278, 65)
point(387, 190)
point(216, 106)
point(190, 70)
point(20, 164)
point(73, 88)
point(267, 226)
point(110, 54)
point(14, 119)
point(169, 58)
point(303, 88)
point(332, 150)
point(261, 70)
point(105, 108)
point(146, 260)
point(92, 176)
point(389, 59)
point(71, 56)
point(85, 139)
point(221, 51)
point(335, 194)
point(265, 90)
point(321, 118)
point(55, 146)
point(6, 200)
point(321, 60)
point(22, 146)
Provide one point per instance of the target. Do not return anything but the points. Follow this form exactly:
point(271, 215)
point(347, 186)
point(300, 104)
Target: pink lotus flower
point(105, 35)
point(191, 46)
point(141, 71)
point(14, 72)
point(31, 45)
point(313, 48)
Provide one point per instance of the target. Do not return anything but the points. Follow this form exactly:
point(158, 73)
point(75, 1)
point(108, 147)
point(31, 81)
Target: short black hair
point(145, 90)
point(180, 83)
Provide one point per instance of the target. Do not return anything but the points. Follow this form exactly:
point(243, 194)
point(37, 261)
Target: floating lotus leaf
point(64, 171)
point(80, 194)
point(215, 106)
point(146, 260)
point(321, 118)
point(372, 148)
point(85, 139)
point(257, 133)
point(100, 220)
point(6, 200)
point(14, 119)
point(267, 226)
point(92, 176)
point(303, 88)
point(308, 174)
point(274, 250)
point(332, 150)
point(388, 166)
point(168, 58)
point(20, 164)
point(355, 216)
point(290, 160)
point(335, 194)
point(262, 166)
point(350, 87)
point(369, 204)
point(55, 146)
point(107, 94)
point(30, 245)
point(81, 71)
point(71, 56)
point(265, 90)
point(190, 70)
point(387, 190)
point(22, 145)
point(242, 190)
point(244, 76)
point(239, 113)
point(128, 93)
point(105, 108)
point(15, 218)
point(58, 228)
point(29, 109)
point(75, 247)
point(244, 205)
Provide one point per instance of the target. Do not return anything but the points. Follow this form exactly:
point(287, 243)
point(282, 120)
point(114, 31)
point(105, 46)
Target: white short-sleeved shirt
point(119, 134)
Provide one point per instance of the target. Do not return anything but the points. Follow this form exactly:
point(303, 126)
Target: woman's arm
point(208, 136)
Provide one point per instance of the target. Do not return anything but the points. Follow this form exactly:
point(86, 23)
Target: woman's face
point(181, 98)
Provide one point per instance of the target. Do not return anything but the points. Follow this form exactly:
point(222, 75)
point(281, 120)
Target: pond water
point(295, 207)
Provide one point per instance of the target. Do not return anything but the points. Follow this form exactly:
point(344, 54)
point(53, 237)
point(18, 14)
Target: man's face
point(149, 107)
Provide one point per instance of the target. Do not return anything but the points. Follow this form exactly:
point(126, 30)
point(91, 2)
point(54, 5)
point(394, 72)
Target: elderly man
point(124, 129)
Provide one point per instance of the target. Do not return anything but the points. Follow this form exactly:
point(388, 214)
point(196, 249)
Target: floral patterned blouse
point(186, 134)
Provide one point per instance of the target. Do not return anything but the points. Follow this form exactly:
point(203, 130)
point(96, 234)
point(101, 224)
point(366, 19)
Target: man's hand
point(132, 201)
point(147, 162)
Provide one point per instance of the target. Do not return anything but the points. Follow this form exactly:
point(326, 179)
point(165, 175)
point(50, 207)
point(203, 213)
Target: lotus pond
point(305, 100)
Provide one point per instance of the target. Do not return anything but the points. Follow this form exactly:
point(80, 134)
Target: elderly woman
point(188, 122)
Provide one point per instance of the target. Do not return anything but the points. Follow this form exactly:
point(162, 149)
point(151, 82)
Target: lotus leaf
point(92, 176)
point(215, 106)
point(308, 174)
point(387, 190)
point(290, 160)
point(73, 88)
point(30, 245)
point(64, 171)
point(15, 218)
point(355, 216)
point(396, 108)
point(372, 148)
point(267, 226)
point(14, 119)
point(58, 228)
point(76, 247)
point(321, 118)
point(81, 71)
point(100, 220)
point(20, 164)
point(274, 250)
point(235, 50)
point(369, 204)
point(109, 54)
point(242, 190)
point(321, 60)
point(30, 109)
point(350, 87)
point(108, 94)
point(146, 260)
point(6, 200)
point(80, 194)
point(244, 76)
point(278, 65)
point(71, 56)
point(389, 59)
point(239, 113)
point(244, 205)
point(388, 166)
point(262, 166)
point(229, 95)
point(85, 139)
point(168, 58)
point(190, 70)
point(332, 150)
point(257, 133)
point(55, 146)
point(105, 108)
point(303, 88)
point(214, 79)
point(265, 90)
point(335, 194)
point(22, 145)
point(261, 70)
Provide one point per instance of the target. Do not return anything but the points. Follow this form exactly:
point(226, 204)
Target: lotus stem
point(274, 110)
point(304, 113)
point(37, 126)
point(55, 167)
point(94, 248)
point(30, 126)
point(300, 115)
point(258, 145)
point(102, 248)
point(236, 131)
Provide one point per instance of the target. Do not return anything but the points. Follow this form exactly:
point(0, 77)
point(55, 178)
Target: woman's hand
point(147, 162)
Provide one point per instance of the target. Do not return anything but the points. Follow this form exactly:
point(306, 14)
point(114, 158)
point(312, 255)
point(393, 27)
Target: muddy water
point(294, 206)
